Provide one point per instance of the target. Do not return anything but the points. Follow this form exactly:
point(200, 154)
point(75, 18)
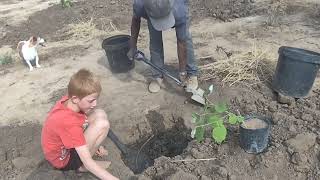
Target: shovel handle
point(123, 148)
point(141, 57)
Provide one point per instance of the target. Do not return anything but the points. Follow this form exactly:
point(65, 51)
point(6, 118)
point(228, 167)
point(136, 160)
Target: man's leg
point(183, 34)
point(156, 49)
point(157, 58)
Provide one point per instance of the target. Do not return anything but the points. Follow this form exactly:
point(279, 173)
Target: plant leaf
point(213, 118)
point(233, 119)
point(240, 119)
point(199, 133)
point(219, 123)
point(219, 134)
point(220, 107)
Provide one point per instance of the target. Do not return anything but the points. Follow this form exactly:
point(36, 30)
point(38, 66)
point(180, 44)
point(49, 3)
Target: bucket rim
point(267, 120)
point(107, 46)
point(116, 36)
point(312, 57)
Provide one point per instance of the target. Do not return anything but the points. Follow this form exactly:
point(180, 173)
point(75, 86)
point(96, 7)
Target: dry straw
point(248, 68)
point(88, 30)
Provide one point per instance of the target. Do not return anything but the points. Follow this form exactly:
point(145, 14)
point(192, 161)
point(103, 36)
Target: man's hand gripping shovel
point(197, 94)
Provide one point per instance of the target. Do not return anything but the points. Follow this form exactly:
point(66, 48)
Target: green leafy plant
point(213, 116)
point(66, 3)
point(6, 59)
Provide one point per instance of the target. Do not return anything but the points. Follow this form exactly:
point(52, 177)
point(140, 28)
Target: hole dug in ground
point(168, 142)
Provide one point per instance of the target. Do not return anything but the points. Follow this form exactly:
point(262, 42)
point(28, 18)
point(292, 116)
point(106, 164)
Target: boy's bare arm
point(91, 165)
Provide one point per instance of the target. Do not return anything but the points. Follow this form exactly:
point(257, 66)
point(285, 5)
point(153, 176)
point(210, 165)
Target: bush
point(6, 59)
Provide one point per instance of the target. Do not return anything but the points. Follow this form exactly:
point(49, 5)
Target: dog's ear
point(33, 40)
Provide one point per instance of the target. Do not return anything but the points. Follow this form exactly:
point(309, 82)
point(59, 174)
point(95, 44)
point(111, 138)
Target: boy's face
point(88, 103)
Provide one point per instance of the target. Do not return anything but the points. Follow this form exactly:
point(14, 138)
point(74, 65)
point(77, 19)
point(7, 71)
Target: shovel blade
point(197, 95)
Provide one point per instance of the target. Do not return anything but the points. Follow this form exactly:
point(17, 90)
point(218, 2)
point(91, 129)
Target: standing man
point(163, 15)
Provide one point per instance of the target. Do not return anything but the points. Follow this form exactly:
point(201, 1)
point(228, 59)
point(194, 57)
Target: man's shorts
point(74, 162)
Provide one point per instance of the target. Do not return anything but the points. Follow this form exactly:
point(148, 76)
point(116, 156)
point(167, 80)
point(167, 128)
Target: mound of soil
point(293, 126)
point(223, 9)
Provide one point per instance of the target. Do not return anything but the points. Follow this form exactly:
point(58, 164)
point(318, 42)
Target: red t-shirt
point(62, 131)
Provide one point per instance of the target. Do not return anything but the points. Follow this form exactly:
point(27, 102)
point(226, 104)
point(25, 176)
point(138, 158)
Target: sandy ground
point(28, 96)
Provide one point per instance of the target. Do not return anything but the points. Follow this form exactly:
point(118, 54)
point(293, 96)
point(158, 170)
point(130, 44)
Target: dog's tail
point(19, 48)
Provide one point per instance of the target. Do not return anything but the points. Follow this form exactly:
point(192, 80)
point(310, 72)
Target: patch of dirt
point(230, 161)
point(102, 13)
point(17, 142)
point(224, 10)
point(137, 115)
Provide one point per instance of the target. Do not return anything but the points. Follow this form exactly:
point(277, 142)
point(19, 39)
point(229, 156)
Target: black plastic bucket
point(296, 71)
point(116, 48)
point(255, 139)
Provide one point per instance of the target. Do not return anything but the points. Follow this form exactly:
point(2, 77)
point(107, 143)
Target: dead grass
point(249, 68)
point(88, 30)
point(276, 10)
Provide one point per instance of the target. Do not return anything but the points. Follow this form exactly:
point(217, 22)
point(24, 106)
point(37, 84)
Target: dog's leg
point(30, 66)
point(37, 61)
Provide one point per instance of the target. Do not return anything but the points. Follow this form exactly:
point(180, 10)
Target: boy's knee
point(102, 119)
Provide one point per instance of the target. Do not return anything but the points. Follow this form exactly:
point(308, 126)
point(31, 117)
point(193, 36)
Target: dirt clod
point(302, 142)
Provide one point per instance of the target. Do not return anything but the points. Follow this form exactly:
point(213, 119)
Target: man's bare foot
point(102, 151)
point(103, 164)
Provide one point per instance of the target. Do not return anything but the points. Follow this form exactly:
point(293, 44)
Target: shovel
point(197, 94)
point(135, 160)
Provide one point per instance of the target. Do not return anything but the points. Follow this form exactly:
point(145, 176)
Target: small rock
point(20, 162)
point(285, 99)
point(246, 163)
point(302, 142)
point(318, 139)
point(278, 117)
point(227, 11)
point(232, 177)
point(3, 156)
point(307, 117)
point(273, 107)
point(223, 172)
point(311, 105)
point(250, 108)
point(196, 154)
point(236, 15)
point(112, 2)
point(203, 177)
point(298, 158)
point(142, 177)
point(183, 176)
point(292, 129)
point(4, 34)
point(302, 168)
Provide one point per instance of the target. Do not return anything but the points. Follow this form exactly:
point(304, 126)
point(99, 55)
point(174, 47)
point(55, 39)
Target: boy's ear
point(75, 99)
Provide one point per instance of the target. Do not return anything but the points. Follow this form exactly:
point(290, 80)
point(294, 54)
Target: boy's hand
point(102, 151)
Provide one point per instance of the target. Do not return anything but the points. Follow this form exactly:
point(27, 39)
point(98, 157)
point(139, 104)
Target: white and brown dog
point(28, 52)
